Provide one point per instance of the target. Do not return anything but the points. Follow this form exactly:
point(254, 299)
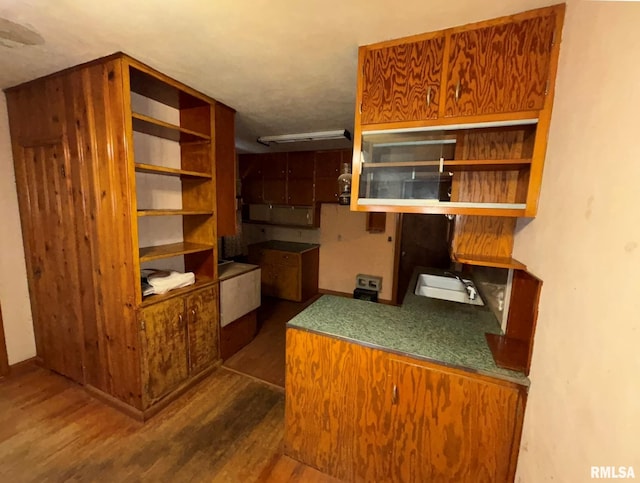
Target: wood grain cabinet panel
point(362, 414)
point(287, 275)
point(225, 170)
point(402, 82)
point(327, 169)
point(202, 313)
point(300, 173)
point(165, 347)
point(250, 173)
point(500, 68)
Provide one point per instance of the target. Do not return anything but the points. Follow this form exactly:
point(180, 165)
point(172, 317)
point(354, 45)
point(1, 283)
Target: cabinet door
point(165, 357)
point(202, 312)
point(337, 416)
point(448, 427)
point(327, 170)
point(500, 68)
point(274, 171)
point(402, 82)
point(287, 282)
point(250, 172)
point(300, 169)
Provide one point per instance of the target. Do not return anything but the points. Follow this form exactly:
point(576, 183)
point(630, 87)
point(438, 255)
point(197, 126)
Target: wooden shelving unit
point(136, 354)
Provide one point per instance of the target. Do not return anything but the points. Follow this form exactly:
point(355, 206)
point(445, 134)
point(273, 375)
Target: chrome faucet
point(468, 286)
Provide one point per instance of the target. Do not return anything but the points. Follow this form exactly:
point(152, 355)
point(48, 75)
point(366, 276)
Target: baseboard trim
point(115, 403)
point(146, 414)
point(254, 378)
point(21, 367)
point(350, 296)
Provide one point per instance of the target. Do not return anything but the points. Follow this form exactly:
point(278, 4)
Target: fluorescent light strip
point(307, 136)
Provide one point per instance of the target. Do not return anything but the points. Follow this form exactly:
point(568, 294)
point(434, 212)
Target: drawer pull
point(458, 91)
point(429, 96)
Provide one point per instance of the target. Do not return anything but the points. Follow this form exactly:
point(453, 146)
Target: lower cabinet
point(179, 340)
point(362, 414)
point(287, 275)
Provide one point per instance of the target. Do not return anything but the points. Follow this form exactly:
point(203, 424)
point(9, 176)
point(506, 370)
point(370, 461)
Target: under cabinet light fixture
point(305, 136)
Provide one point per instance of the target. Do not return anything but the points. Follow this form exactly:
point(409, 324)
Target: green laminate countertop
point(438, 331)
point(285, 246)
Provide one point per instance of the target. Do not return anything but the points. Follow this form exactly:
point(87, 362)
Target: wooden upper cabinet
point(328, 165)
point(274, 172)
point(250, 173)
point(500, 68)
point(402, 82)
point(300, 169)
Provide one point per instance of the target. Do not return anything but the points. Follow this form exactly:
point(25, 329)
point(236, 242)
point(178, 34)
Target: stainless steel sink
point(446, 288)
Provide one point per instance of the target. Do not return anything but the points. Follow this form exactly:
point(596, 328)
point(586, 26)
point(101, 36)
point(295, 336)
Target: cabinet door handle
point(394, 395)
point(458, 91)
point(180, 320)
point(194, 314)
point(429, 96)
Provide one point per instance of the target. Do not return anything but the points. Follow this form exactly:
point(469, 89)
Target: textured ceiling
point(286, 66)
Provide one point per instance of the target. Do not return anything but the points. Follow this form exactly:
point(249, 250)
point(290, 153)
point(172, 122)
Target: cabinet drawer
point(275, 257)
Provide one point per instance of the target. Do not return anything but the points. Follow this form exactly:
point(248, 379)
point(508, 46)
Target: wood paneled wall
point(79, 244)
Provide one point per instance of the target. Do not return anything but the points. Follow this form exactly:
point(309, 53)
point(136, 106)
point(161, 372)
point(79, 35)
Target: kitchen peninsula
point(381, 393)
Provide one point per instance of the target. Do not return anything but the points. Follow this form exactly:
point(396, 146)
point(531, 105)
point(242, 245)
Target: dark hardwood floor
point(263, 358)
point(229, 428)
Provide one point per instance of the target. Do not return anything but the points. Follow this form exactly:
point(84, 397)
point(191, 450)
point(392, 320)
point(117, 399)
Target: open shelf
point(486, 164)
point(150, 168)
point(164, 90)
point(457, 165)
point(173, 212)
point(485, 261)
point(165, 130)
point(201, 282)
point(402, 164)
point(148, 254)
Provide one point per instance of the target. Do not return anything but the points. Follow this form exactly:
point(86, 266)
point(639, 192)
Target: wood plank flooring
point(228, 428)
point(263, 358)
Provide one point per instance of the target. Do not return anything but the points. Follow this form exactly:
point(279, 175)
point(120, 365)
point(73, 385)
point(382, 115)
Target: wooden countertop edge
point(222, 278)
point(426, 361)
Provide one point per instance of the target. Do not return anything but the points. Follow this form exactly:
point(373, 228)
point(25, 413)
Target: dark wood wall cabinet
point(300, 178)
point(455, 122)
point(361, 414)
point(77, 139)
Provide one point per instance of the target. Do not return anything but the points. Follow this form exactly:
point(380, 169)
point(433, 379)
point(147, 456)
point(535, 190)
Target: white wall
point(14, 294)
point(584, 403)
